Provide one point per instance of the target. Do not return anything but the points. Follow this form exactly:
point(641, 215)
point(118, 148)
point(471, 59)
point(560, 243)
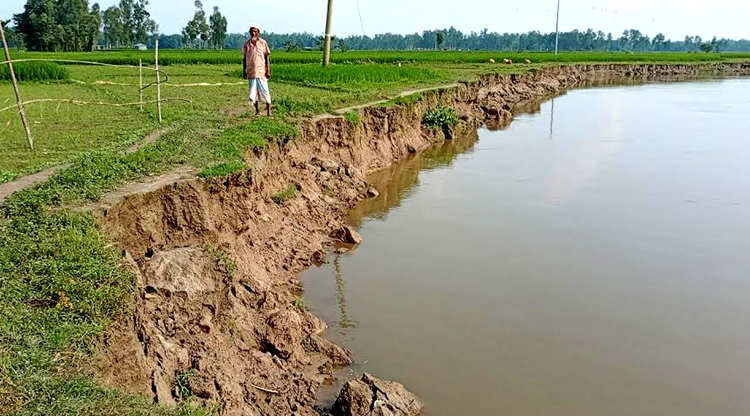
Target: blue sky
point(675, 18)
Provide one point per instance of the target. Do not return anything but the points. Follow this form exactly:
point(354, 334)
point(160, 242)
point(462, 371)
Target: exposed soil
point(217, 311)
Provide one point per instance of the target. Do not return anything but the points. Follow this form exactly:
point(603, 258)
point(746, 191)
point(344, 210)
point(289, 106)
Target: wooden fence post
point(140, 84)
point(19, 100)
point(158, 81)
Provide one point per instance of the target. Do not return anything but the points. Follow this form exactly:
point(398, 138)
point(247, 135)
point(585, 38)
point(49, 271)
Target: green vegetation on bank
point(440, 118)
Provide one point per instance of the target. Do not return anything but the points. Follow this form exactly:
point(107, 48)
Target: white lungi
point(259, 86)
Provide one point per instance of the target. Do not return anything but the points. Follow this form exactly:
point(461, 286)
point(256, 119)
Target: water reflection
point(552, 121)
point(344, 322)
point(396, 182)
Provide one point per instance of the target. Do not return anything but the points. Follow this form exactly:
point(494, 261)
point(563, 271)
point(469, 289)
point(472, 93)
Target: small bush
point(299, 303)
point(182, 389)
point(440, 118)
point(35, 72)
point(223, 257)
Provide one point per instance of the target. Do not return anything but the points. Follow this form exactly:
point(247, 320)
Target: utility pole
point(327, 45)
point(557, 28)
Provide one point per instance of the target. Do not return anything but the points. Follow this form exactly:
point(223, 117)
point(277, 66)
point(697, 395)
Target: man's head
point(255, 30)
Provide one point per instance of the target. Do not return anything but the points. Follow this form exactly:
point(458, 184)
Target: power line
point(359, 10)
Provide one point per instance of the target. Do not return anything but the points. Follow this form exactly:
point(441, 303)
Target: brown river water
point(591, 259)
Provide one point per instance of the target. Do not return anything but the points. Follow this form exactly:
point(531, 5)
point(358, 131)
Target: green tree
point(95, 24)
point(439, 38)
point(218, 28)
point(342, 45)
point(127, 21)
point(706, 47)
point(291, 46)
point(59, 25)
point(143, 25)
point(658, 42)
point(12, 35)
point(196, 28)
point(113, 32)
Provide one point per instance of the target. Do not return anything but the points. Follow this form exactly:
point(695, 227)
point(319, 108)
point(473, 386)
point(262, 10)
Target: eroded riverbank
point(218, 260)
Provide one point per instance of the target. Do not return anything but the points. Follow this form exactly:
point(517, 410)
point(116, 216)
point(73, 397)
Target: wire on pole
point(557, 28)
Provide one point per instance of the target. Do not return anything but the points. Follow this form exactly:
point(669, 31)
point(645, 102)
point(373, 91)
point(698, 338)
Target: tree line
point(71, 25)
point(452, 39)
point(447, 39)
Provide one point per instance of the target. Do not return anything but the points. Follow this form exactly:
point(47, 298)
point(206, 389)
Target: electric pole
point(327, 43)
point(557, 28)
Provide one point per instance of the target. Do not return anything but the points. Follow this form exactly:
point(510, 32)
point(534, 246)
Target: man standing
point(257, 65)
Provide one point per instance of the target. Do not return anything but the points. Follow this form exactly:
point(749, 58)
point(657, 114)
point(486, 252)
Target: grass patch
point(35, 72)
point(223, 169)
point(285, 195)
point(235, 141)
point(60, 284)
point(182, 388)
point(353, 117)
point(295, 107)
point(440, 118)
point(223, 258)
point(405, 100)
point(351, 77)
point(299, 303)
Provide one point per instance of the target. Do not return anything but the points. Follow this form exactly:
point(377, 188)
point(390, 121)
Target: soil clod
point(370, 396)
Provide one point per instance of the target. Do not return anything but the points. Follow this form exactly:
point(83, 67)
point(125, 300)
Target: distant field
point(228, 57)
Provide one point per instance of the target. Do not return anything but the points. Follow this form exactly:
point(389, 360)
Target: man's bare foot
point(269, 113)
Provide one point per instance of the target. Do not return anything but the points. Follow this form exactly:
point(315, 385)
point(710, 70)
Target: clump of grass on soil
point(223, 258)
point(405, 100)
point(353, 117)
point(440, 118)
point(299, 303)
point(285, 195)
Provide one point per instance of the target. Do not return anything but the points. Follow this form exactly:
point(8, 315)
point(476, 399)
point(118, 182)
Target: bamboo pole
point(140, 83)
point(158, 81)
point(19, 100)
